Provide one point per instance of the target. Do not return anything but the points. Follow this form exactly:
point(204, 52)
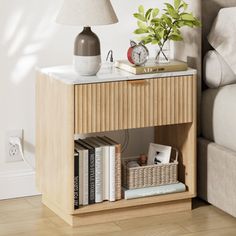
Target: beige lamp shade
point(87, 13)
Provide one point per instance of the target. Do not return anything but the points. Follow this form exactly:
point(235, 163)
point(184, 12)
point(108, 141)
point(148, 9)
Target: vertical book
point(91, 171)
point(76, 180)
point(83, 174)
point(98, 169)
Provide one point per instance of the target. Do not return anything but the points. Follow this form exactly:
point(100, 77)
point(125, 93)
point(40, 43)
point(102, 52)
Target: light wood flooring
point(28, 217)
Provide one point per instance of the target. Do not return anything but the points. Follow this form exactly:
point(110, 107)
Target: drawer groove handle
point(138, 82)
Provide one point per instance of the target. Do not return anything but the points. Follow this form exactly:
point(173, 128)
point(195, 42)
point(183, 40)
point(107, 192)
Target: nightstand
point(67, 105)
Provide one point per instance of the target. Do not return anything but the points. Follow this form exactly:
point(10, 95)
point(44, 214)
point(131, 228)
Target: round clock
point(137, 54)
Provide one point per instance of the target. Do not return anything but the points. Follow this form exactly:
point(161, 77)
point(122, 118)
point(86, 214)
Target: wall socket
point(12, 151)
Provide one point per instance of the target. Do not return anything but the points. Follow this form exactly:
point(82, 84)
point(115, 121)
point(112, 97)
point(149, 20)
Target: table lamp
point(87, 13)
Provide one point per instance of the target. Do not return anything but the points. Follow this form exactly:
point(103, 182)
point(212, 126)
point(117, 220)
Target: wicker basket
point(149, 176)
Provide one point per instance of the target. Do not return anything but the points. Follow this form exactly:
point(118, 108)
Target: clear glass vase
point(163, 53)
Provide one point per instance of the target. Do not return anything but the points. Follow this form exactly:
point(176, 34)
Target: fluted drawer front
point(133, 104)
point(100, 107)
point(160, 101)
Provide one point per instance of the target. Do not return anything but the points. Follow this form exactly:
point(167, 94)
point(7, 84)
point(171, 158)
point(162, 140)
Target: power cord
point(17, 141)
point(126, 141)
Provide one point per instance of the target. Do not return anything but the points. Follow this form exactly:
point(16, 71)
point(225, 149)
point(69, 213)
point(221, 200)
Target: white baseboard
point(19, 184)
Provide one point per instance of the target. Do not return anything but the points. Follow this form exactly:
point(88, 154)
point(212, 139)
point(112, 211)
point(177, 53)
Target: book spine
point(153, 191)
point(112, 194)
point(98, 175)
point(91, 170)
point(118, 172)
point(85, 178)
point(80, 178)
point(106, 175)
point(76, 181)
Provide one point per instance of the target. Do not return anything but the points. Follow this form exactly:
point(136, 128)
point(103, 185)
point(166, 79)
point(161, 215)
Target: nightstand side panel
point(55, 141)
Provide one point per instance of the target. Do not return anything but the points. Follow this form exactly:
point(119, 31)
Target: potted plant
point(160, 29)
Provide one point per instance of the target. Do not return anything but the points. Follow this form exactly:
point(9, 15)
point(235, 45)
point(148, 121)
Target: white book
point(112, 169)
point(80, 177)
point(106, 167)
point(153, 191)
point(112, 165)
point(98, 170)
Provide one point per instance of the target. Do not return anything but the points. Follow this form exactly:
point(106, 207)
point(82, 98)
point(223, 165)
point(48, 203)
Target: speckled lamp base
point(87, 53)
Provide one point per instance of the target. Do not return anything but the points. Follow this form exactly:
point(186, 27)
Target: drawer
point(133, 104)
point(100, 107)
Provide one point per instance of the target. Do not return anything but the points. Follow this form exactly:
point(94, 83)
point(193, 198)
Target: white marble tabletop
point(68, 75)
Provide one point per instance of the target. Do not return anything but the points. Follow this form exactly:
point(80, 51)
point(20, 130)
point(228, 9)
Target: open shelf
point(104, 206)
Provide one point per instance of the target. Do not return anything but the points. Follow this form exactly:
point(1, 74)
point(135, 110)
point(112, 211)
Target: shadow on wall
point(24, 34)
point(29, 37)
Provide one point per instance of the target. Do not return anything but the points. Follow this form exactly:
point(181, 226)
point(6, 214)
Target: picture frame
point(158, 154)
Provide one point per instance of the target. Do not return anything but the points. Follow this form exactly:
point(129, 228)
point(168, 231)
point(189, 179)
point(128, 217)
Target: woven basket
point(149, 176)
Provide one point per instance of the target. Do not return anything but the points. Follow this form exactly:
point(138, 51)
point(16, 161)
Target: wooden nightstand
point(67, 104)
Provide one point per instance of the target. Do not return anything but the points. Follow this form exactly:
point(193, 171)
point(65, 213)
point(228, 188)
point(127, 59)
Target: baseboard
point(18, 184)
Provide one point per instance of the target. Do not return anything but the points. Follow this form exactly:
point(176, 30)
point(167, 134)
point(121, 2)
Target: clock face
point(139, 55)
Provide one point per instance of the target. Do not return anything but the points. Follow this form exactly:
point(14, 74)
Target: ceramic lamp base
point(87, 65)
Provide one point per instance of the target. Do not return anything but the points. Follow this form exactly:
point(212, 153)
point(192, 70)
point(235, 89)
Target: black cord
point(126, 141)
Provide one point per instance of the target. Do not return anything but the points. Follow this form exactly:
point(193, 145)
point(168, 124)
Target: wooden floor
point(28, 217)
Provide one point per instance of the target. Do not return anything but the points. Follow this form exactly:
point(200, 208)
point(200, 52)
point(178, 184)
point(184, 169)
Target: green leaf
point(151, 29)
point(159, 32)
point(167, 20)
point(142, 25)
point(177, 4)
point(148, 14)
point(189, 23)
point(187, 16)
point(141, 9)
point(169, 6)
point(197, 23)
point(180, 23)
point(175, 37)
point(155, 12)
point(185, 5)
point(176, 31)
point(156, 21)
point(171, 11)
point(141, 31)
point(139, 17)
point(155, 41)
point(146, 40)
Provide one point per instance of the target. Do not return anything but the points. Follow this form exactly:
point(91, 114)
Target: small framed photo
point(158, 154)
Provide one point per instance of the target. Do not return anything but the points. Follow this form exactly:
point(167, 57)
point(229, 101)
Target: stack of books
point(97, 171)
point(152, 67)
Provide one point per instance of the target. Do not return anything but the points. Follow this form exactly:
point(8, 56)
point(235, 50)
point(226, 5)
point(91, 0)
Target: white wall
point(29, 38)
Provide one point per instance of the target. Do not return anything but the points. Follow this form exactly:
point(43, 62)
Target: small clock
point(137, 54)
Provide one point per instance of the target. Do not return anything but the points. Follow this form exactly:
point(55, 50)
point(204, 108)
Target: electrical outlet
point(12, 151)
